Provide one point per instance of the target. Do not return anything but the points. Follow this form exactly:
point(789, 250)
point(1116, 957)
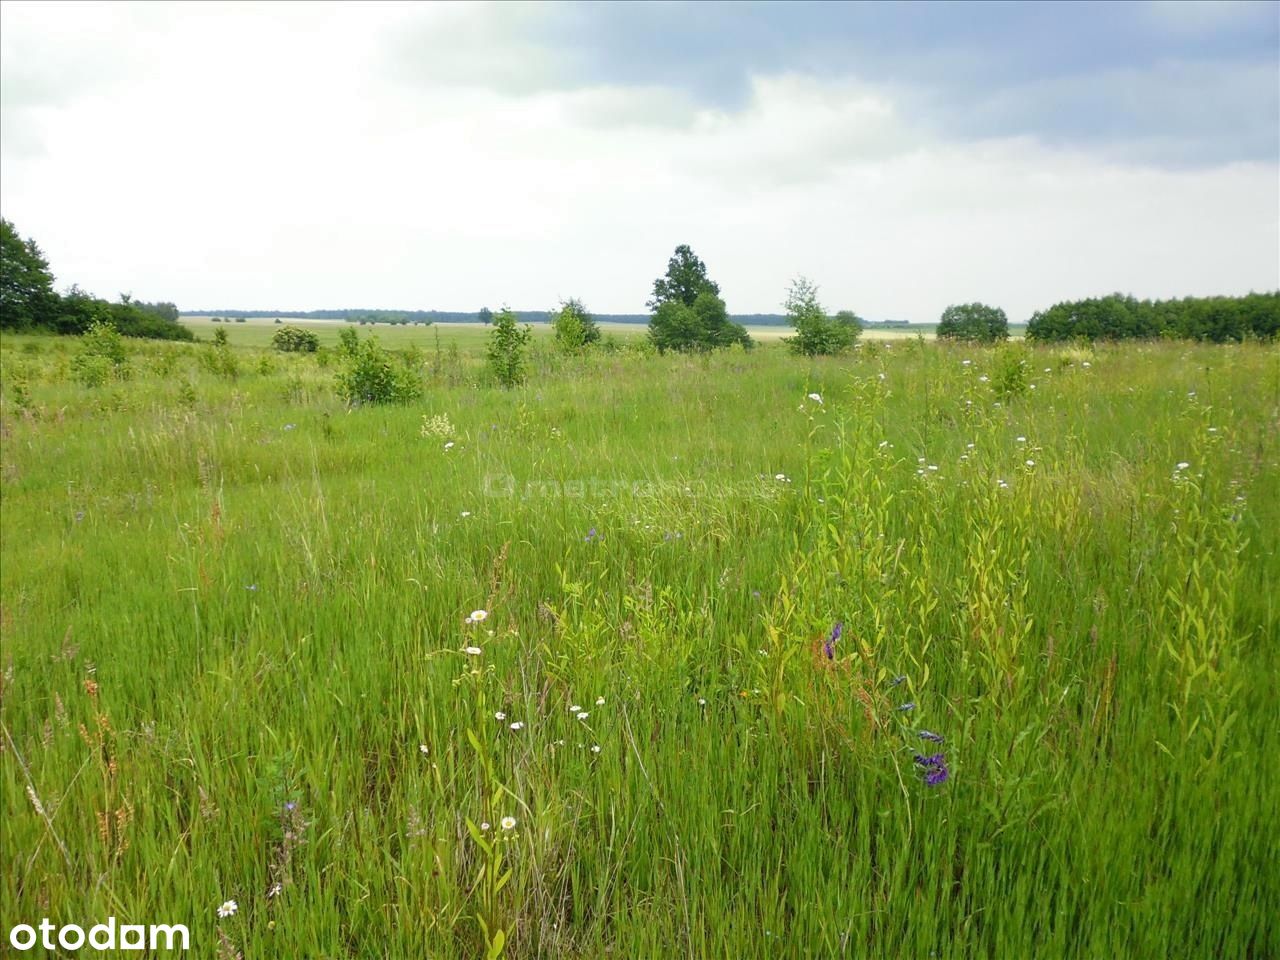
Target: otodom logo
point(101, 936)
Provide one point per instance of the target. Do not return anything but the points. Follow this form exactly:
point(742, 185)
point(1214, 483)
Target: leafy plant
point(508, 348)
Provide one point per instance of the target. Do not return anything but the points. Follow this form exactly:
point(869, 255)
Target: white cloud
point(271, 157)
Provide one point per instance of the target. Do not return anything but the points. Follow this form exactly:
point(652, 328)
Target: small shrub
point(1010, 376)
point(371, 376)
point(102, 356)
point(295, 340)
point(508, 349)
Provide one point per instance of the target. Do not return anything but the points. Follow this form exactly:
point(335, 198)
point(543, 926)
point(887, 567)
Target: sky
point(903, 157)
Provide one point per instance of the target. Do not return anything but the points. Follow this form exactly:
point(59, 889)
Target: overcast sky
point(904, 157)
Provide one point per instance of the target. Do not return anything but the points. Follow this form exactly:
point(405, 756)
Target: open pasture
point(237, 662)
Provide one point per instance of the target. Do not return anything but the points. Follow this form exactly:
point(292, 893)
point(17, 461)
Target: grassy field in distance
point(240, 662)
point(257, 331)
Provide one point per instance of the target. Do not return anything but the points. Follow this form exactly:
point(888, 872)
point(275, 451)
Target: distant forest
point(482, 316)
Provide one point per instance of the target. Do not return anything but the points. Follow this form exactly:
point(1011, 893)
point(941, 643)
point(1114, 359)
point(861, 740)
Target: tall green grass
point(234, 631)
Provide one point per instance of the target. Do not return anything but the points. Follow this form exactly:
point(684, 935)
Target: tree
point(688, 313)
point(973, 323)
point(701, 327)
point(575, 328)
point(686, 278)
point(27, 298)
point(508, 343)
point(486, 316)
point(816, 333)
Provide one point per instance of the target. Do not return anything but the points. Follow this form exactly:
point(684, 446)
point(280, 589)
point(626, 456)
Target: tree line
point(29, 302)
point(1121, 317)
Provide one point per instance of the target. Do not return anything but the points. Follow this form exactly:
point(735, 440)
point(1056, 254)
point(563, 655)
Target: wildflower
point(472, 651)
point(517, 726)
point(815, 397)
point(251, 586)
point(906, 707)
point(591, 535)
point(464, 514)
point(582, 714)
point(1086, 364)
point(983, 379)
point(935, 767)
point(499, 715)
point(575, 708)
point(599, 701)
point(479, 616)
point(290, 426)
point(423, 749)
point(595, 748)
point(484, 826)
point(228, 909)
point(275, 890)
point(1022, 439)
point(290, 806)
point(931, 736)
point(1002, 485)
point(901, 678)
point(829, 648)
point(508, 823)
point(702, 701)
point(1031, 463)
point(449, 445)
point(1183, 465)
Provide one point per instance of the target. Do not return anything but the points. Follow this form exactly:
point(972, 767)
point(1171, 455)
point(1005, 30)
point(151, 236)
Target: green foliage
point(699, 328)
point(101, 357)
point(575, 328)
point(816, 333)
point(688, 314)
point(26, 286)
point(1120, 317)
point(296, 340)
point(1079, 599)
point(370, 375)
point(219, 359)
point(508, 349)
point(486, 316)
point(348, 343)
point(1010, 378)
point(973, 323)
point(220, 338)
point(685, 280)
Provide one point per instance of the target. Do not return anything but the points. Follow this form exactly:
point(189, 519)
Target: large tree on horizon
point(27, 298)
point(688, 313)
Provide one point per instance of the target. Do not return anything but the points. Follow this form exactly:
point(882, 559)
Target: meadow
point(555, 671)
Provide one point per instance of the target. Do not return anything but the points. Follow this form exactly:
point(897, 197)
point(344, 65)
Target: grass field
point(236, 667)
point(257, 331)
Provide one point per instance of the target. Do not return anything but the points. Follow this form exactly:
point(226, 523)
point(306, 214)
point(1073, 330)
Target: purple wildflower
point(591, 535)
point(897, 680)
point(829, 648)
point(905, 707)
point(935, 768)
point(931, 736)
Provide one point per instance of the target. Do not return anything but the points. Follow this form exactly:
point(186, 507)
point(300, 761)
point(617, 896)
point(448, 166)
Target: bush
point(508, 348)
point(574, 327)
point(816, 333)
point(102, 356)
point(295, 340)
point(372, 377)
point(973, 323)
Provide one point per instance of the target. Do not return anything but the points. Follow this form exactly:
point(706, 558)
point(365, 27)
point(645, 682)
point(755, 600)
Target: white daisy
point(228, 909)
point(508, 823)
point(479, 616)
